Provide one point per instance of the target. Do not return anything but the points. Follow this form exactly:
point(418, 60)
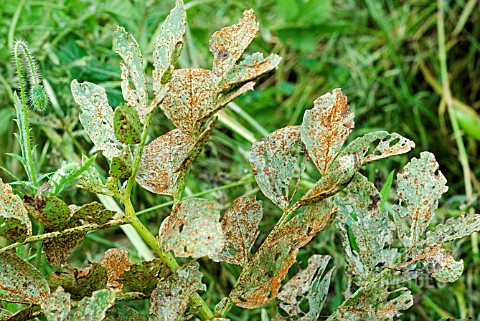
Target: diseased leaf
point(228, 44)
point(143, 277)
point(326, 127)
point(90, 180)
point(14, 222)
point(97, 117)
point(193, 229)
point(160, 160)
point(224, 98)
point(121, 167)
point(115, 262)
point(127, 126)
point(20, 281)
point(4, 314)
point(168, 45)
point(306, 285)
point(125, 45)
point(125, 313)
point(275, 160)
point(191, 95)
point(420, 186)
point(240, 229)
point(60, 248)
point(454, 228)
point(57, 306)
point(169, 300)
point(94, 308)
point(444, 267)
point(21, 315)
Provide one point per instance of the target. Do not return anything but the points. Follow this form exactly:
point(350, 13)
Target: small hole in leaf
point(393, 142)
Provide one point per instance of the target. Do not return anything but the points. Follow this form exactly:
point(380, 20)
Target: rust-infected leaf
point(14, 222)
point(4, 314)
point(160, 160)
point(275, 160)
point(228, 44)
point(169, 300)
point(20, 281)
point(443, 266)
point(420, 186)
point(306, 285)
point(240, 228)
point(191, 95)
point(121, 167)
point(454, 228)
point(128, 128)
point(124, 313)
point(21, 315)
point(97, 117)
point(57, 306)
point(326, 127)
point(224, 98)
point(143, 277)
point(193, 229)
point(90, 180)
point(94, 308)
point(115, 262)
point(126, 47)
point(168, 45)
point(60, 248)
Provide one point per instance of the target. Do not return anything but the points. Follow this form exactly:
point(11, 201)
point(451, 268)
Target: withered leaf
point(127, 126)
point(326, 127)
point(115, 262)
point(14, 222)
point(20, 281)
point(126, 47)
point(420, 186)
point(143, 277)
point(57, 306)
point(240, 229)
point(275, 160)
point(228, 44)
point(193, 229)
point(160, 159)
point(94, 308)
point(169, 300)
point(97, 117)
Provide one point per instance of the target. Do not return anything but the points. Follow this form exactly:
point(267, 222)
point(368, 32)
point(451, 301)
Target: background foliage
point(383, 54)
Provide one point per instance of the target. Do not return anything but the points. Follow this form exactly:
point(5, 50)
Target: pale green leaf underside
point(454, 228)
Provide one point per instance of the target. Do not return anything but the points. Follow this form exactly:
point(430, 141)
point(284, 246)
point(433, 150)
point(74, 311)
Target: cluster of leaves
point(190, 98)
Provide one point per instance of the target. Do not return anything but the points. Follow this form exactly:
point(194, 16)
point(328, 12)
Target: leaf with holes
point(240, 228)
point(97, 117)
point(57, 306)
point(14, 222)
point(94, 308)
point(169, 300)
point(420, 186)
point(228, 44)
point(160, 160)
point(125, 45)
point(168, 45)
point(454, 228)
point(143, 277)
point(115, 262)
point(326, 127)
point(193, 229)
point(276, 159)
point(20, 281)
point(127, 126)
point(443, 266)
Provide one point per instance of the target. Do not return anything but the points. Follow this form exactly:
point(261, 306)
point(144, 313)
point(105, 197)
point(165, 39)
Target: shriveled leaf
point(80, 284)
point(20, 281)
point(240, 228)
point(326, 127)
point(57, 306)
point(125, 313)
point(67, 174)
point(306, 285)
point(454, 228)
point(160, 159)
point(127, 126)
point(143, 277)
point(168, 45)
point(126, 47)
point(224, 98)
point(94, 308)
point(115, 262)
point(169, 300)
point(420, 186)
point(275, 160)
point(191, 95)
point(228, 44)
point(14, 222)
point(193, 229)
point(90, 180)
point(91, 213)
point(444, 268)
point(97, 117)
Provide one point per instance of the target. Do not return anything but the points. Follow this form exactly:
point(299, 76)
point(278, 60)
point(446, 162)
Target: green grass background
point(383, 54)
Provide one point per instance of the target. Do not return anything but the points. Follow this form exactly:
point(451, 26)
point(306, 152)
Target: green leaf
point(125, 313)
point(193, 229)
point(67, 174)
point(275, 160)
point(326, 127)
point(228, 44)
point(454, 228)
point(168, 45)
point(121, 167)
point(160, 160)
point(97, 118)
point(126, 47)
point(240, 229)
point(20, 281)
point(169, 300)
point(127, 126)
point(90, 180)
point(144, 277)
point(420, 186)
point(57, 306)
point(14, 222)
point(385, 189)
point(94, 308)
